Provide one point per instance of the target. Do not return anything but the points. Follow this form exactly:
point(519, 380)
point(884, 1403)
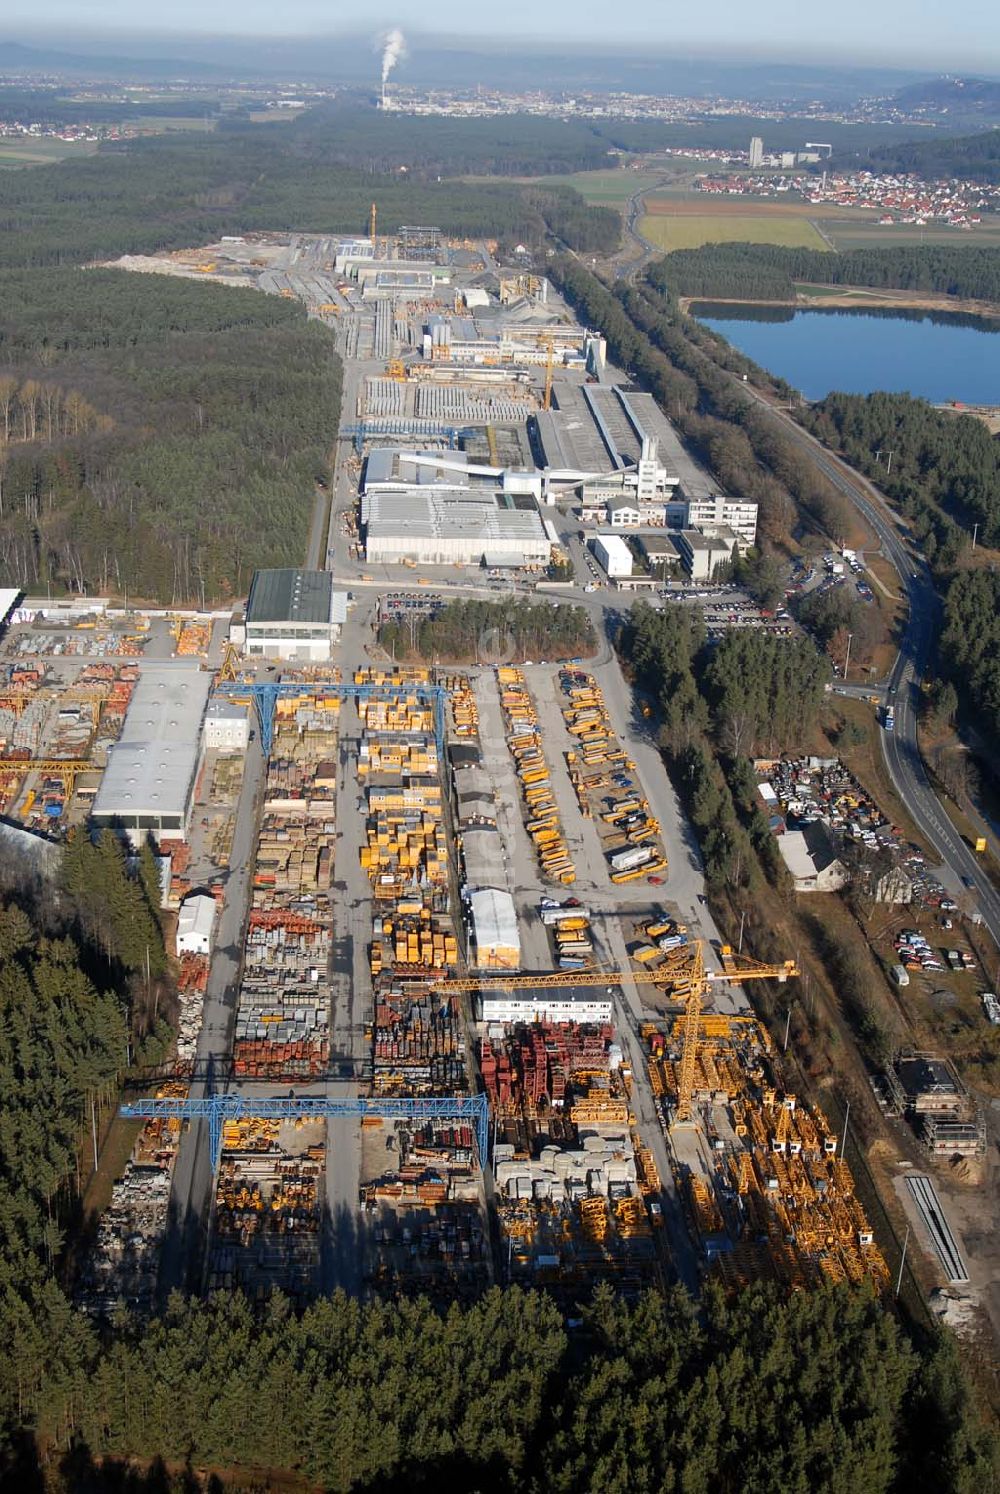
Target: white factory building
point(615, 441)
point(292, 614)
point(226, 728)
point(441, 527)
point(195, 924)
point(494, 941)
point(613, 554)
point(149, 781)
point(715, 512)
point(555, 1004)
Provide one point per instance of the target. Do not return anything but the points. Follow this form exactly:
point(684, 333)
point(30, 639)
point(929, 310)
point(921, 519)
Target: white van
point(900, 975)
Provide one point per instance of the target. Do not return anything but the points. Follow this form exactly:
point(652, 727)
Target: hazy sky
point(938, 34)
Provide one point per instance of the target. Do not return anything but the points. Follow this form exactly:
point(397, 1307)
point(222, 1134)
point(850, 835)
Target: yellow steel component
point(395, 369)
point(371, 223)
point(230, 663)
point(57, 767)
point(550, 349)
point(683, 971)
point(491, 437)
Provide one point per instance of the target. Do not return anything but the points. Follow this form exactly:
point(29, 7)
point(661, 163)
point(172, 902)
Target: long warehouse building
point(448, 528)
point(148, 784)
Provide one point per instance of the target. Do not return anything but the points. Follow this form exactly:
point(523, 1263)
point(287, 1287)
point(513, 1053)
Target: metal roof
point(289, 595)
point(494, 919)
point(424, 513)
point(8, 600)
point(151, 767)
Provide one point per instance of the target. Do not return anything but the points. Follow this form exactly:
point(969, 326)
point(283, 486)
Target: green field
point(691, 230)
point(848, 234)
point(20, 150)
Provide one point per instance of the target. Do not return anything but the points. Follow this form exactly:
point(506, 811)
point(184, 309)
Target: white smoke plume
point(393, 48)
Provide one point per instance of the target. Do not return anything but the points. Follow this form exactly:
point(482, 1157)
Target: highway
point(900, 748)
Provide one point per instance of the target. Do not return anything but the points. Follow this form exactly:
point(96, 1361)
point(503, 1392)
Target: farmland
point(684, 230)
point(25, 150)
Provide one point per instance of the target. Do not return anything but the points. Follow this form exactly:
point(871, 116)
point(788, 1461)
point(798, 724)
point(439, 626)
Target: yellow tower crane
point(683, 972)
point(371, 223)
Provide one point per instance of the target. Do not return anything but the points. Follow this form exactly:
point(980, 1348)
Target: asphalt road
point(963, 872)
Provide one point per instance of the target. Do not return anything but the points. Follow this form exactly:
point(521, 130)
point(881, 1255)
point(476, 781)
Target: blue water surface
point(933, 356)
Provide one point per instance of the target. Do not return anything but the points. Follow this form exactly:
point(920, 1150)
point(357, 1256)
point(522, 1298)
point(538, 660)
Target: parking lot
point(727, 607)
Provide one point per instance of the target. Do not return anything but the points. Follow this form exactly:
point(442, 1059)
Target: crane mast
point(683, 972)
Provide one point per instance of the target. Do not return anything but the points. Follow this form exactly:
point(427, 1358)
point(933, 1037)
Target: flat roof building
point(293, 614)
point(148, 784)
point(544, 1003)
point(441, 528)
point(701, 554)
point(613, 554)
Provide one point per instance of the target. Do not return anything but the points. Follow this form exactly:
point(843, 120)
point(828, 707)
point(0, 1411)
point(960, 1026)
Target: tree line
point(769, 272)
point(972, 157)
point(139, 196)
point(824, 1391)
point(719, 705)
point(941, 463)
point(474, 631)
point(157, 436)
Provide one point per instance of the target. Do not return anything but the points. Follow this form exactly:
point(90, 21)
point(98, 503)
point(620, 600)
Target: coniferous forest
point(157, 435)
point(769, 272)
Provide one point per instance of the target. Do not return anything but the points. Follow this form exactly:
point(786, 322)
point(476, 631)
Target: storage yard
point(767, 1193)
point(282, 1015)
point(431, 888)
point(268, 1209)
point(607, 785)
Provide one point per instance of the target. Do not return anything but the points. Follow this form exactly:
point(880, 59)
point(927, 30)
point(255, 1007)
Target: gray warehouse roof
point(425, 514)
point(151, 767)
point(290, 596)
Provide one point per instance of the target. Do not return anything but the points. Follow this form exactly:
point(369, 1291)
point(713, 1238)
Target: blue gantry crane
point(265, 695)
point(217, 1109)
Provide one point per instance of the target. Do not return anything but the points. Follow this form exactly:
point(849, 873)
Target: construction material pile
point(539, 803)
point(777, 1201)
point(418, 1045)
point(528, 1068)
point(268, 1208)
point(123, 1262)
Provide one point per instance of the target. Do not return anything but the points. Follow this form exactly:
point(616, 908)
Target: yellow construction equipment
point(396, 369)
point(371, 223)
point(491, 437)
point(230, 663)
point(683, 971)
point(56, 767)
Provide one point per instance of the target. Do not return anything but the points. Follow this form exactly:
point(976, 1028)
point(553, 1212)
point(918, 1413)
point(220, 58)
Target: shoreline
point(855, 297)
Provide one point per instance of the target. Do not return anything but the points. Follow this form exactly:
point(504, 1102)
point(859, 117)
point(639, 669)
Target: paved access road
point(900, 747)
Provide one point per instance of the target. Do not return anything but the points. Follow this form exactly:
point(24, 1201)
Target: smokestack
point(393, 48)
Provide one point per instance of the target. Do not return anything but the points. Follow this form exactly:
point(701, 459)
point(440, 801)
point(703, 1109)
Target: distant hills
point(975, 157)
point(968, 98)
point(437, 61)
point(20, 61)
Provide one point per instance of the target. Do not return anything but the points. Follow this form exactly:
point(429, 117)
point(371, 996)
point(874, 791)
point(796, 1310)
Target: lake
point(935, 356)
